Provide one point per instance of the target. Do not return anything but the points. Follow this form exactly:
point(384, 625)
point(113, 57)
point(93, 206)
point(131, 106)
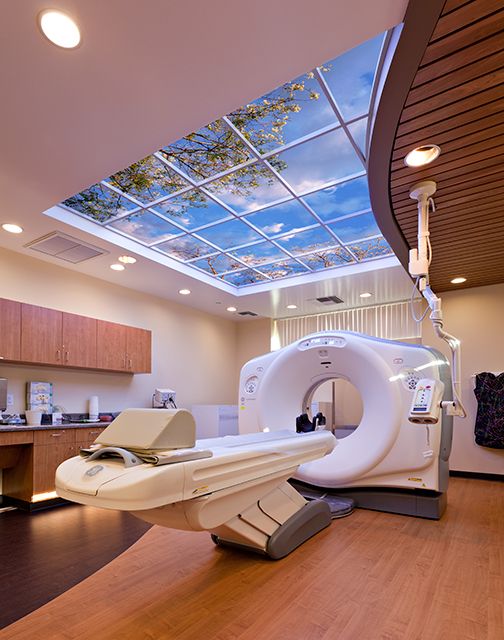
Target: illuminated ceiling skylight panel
point(186, 248)
point(192, 209)
point(147, 180)
point(233, 233)
point(350, 77)
point(307, 241)
point(341, 199)
point(316, 162)
point(289, 112)
point(259, 253)
point(249, 188)
point(207, 152)
point(355, 228)
point(358, 131)
point(100, 203)
point(217, 264)
point(242, 278)
point(328, 258)
point(377, 247)
point(283, 269)
point(146, 227)
point(282, 218)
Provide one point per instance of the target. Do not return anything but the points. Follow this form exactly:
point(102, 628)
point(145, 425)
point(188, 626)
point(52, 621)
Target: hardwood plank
point(467, 187)
point(461, 147)
point(464, 15)
point(469, 33)
point(450, 111)
point(370, 576)
point(455, 94)
point(441, 83)
point(449, 132)
point(452, 5)
point(450, 201)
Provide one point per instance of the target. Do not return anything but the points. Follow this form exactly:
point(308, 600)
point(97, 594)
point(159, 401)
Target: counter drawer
point(52, 436)
point(86, 437)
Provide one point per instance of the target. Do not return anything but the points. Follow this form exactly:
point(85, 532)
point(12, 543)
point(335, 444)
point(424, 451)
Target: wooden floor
point(371, 576)
point(44, 553)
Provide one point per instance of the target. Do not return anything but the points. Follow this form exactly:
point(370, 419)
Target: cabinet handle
point(58, 354)
point(94, 433)
point(130, 363)
point(66, 356)
point(56, 435)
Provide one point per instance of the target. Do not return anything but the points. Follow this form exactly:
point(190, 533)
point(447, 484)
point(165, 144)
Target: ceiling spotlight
point(59, 28)
point(458, 280)
point(117, 267)
point(12, 228)
point(127, 259)
point(366, 294)
point(184, 292)
point(422, 155)
point(232, 309)
point(292, 306)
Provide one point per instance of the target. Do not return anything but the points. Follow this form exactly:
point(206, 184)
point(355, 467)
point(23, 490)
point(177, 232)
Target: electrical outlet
point(10, 399)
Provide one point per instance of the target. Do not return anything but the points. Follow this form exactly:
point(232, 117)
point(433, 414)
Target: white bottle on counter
point(93, 408)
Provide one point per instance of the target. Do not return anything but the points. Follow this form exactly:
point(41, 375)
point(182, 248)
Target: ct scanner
point(389, 462)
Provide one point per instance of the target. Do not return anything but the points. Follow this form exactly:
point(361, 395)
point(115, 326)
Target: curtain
point(392, 321)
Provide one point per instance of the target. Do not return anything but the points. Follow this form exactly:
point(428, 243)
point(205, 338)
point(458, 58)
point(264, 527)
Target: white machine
point(148, 463)
point(389, 450)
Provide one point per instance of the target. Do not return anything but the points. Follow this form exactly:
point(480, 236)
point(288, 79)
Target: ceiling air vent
point(247, 313)
point(60, 245)
point(329, 300)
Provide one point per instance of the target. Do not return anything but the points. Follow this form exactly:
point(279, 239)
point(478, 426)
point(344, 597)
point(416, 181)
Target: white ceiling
point(145, 75)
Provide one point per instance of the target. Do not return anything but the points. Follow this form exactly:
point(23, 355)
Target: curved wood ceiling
point(456, 101)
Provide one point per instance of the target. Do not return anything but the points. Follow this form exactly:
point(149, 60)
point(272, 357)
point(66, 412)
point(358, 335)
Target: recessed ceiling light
point(59, 28)
point(292, 306)
point(184, 292)
point(458, 280)
point(12, 228)
point(422, 155)
point(127, 259)
point(117, 267)
point(366, 294)
point(231, 309)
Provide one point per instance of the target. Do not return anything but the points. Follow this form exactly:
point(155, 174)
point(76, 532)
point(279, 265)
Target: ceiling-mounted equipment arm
point(419, 262)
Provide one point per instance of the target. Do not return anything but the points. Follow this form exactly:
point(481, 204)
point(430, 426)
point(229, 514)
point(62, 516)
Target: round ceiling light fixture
point(127, 259)
point(231, 309)
point(422, 155)
point(459, 280)
point(292, 306)
point(117, 267)
point(12, 228)
point(59, 28)
point(184, 292)
point(366, 294)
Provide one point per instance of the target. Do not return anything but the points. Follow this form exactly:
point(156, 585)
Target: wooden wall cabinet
point(123, 348)
point(10, 330)
point(33, 334)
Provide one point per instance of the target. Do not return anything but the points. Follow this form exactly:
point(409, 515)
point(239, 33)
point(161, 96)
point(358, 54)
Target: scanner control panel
point(425, 407)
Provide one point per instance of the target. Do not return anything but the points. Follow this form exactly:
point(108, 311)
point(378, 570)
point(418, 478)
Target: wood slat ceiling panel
point(457, 102)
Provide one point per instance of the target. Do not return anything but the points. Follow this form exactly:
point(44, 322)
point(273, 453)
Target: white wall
point(193, 352)
point(476, 317)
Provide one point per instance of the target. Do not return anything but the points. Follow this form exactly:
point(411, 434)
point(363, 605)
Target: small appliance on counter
point(164, 399)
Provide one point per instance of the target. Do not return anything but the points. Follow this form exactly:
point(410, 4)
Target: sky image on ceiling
point(274, 189)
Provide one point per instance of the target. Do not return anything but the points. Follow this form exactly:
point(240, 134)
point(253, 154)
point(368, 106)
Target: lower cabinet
point(50, 449)
point(29, 459)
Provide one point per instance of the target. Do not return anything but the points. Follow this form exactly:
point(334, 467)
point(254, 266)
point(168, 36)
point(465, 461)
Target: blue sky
point(253, 195)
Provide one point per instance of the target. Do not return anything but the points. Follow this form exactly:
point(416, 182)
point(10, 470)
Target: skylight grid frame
point(294, 194)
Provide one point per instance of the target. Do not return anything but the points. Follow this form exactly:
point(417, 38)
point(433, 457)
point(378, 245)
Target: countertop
point(52, 427)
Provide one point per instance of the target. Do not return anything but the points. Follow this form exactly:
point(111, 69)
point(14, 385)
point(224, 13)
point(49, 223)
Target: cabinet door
point(46, 459)
point(79, 341)
point(41, 335)
point(10, 330)
point(111, 346)
point(86, 437)
point(138, 350)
